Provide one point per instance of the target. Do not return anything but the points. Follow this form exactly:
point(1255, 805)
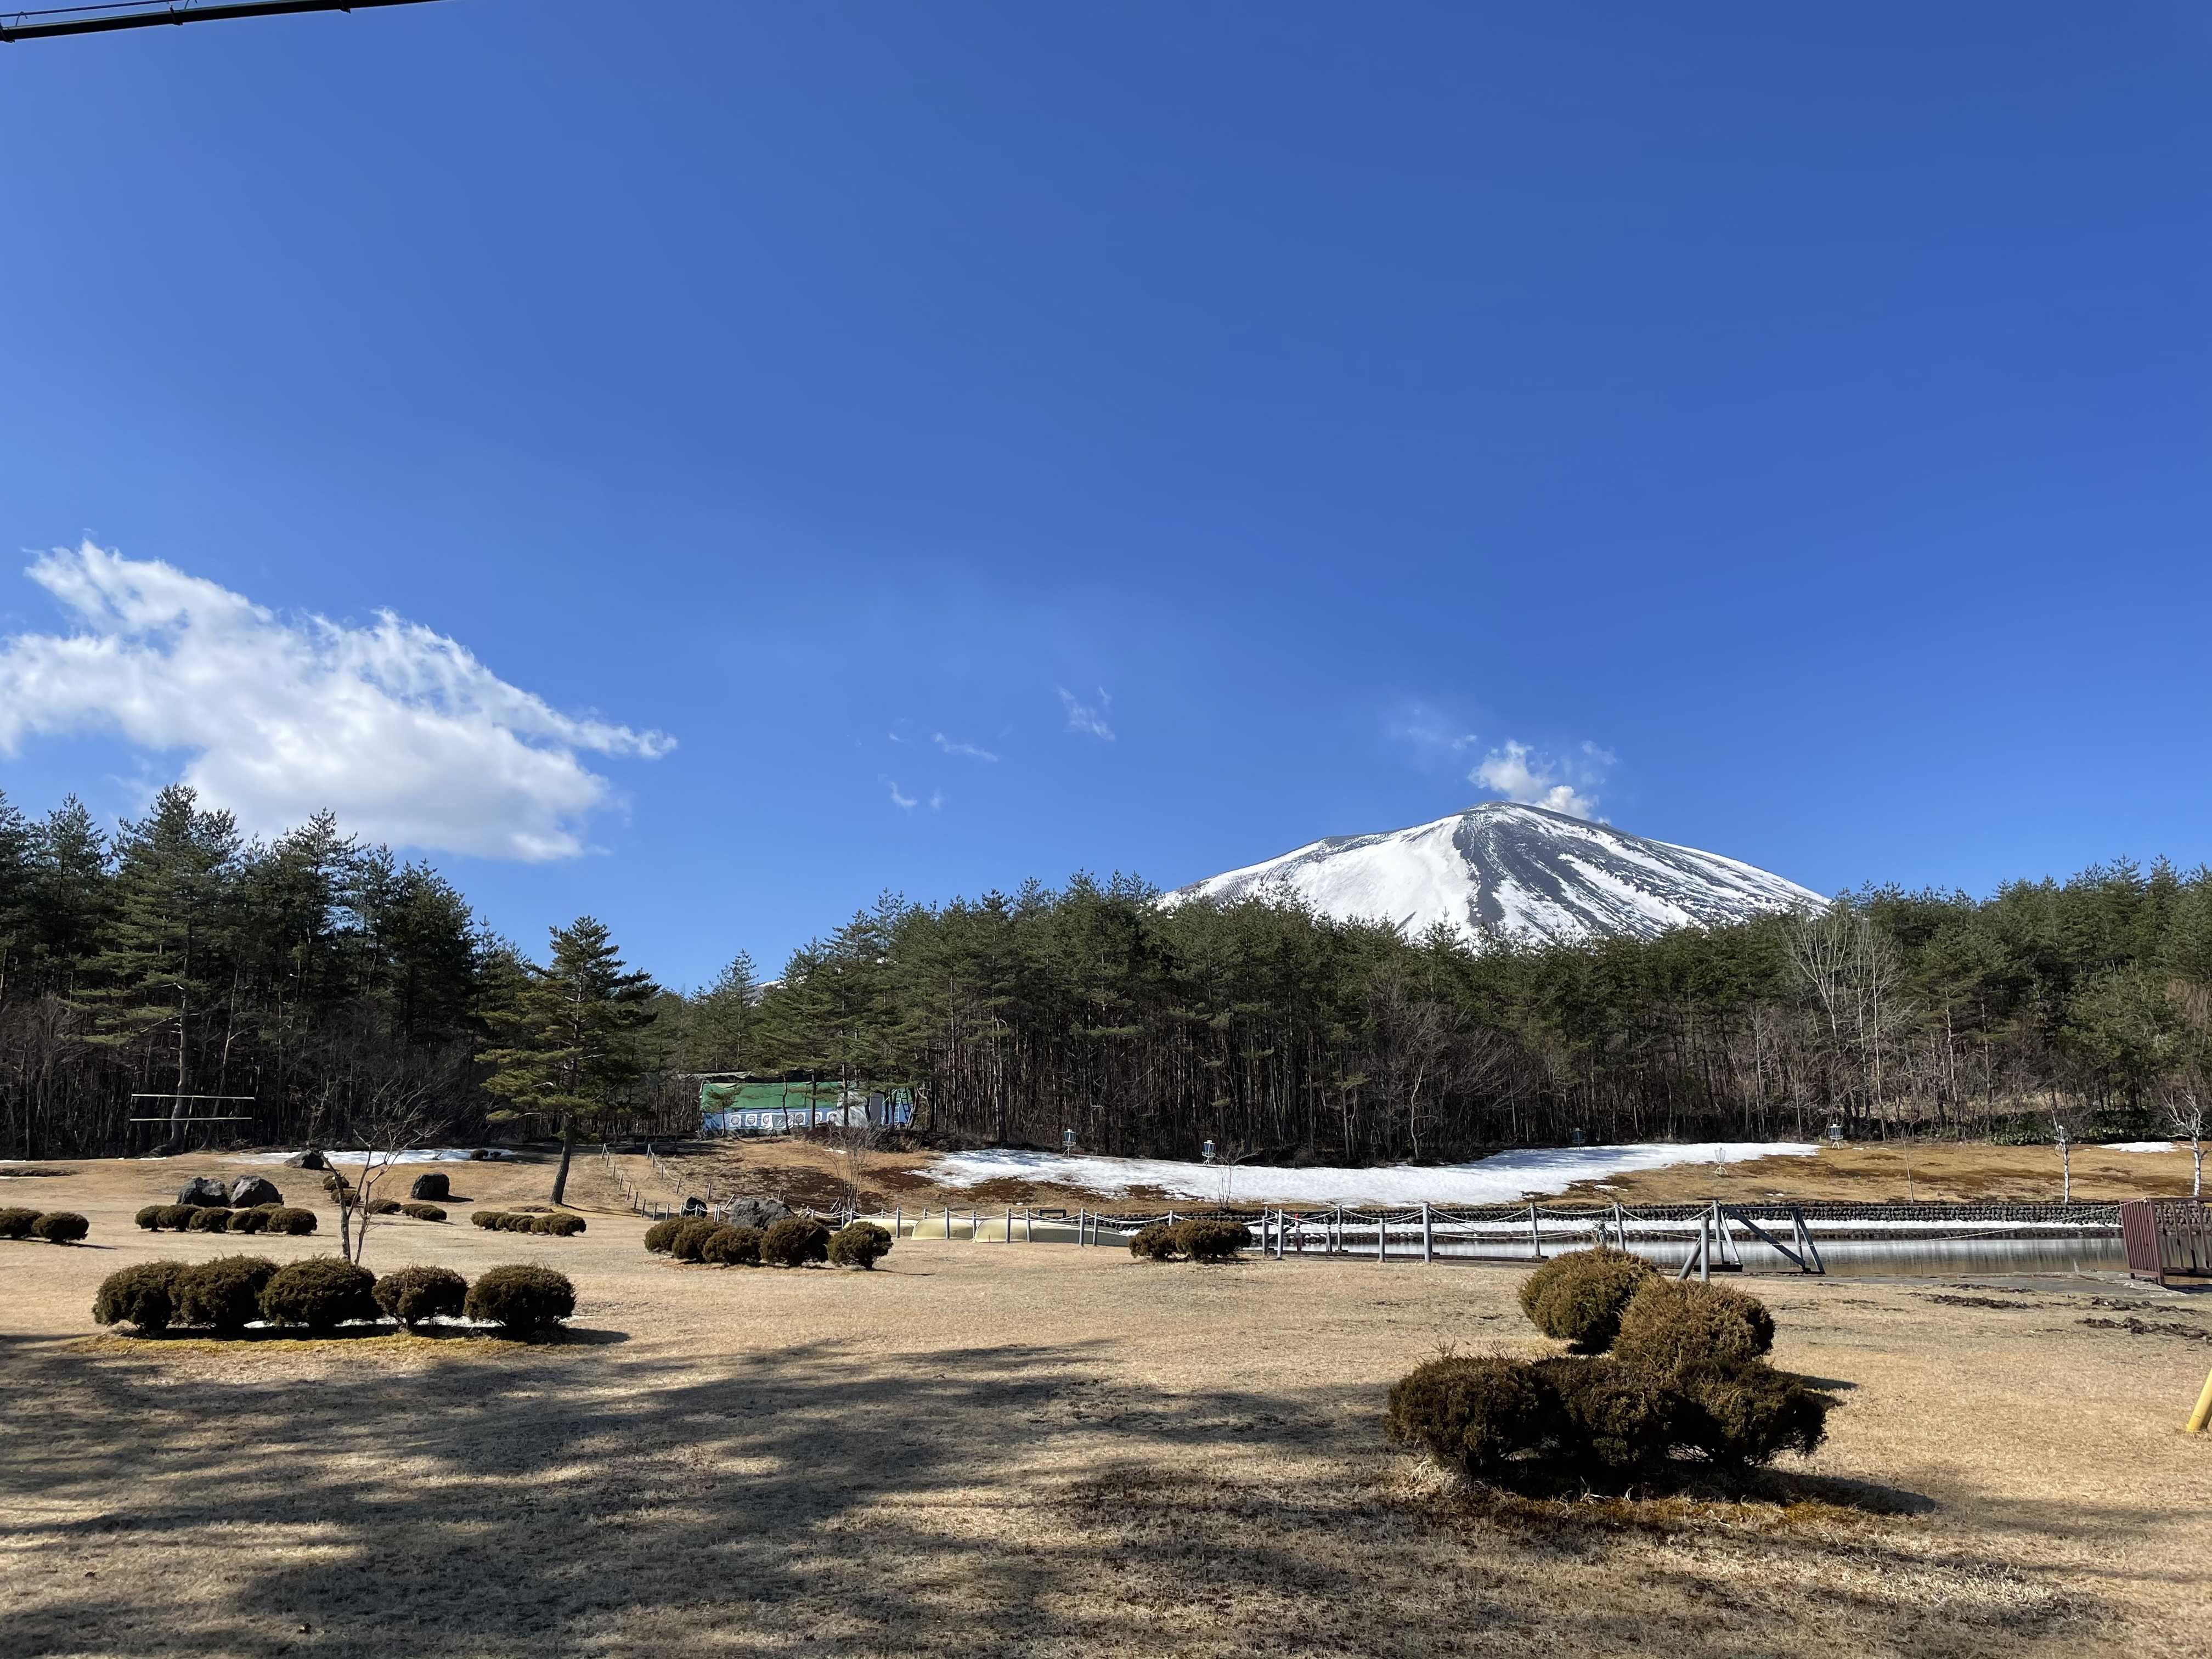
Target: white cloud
point(1081, 717)
point(968, 750)
point(899, 798)
point(1561, 783)
point(398, 730)
point(937, 800)
point(1426, 730)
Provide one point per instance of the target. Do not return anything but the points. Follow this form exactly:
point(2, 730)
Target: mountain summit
point(1516, 873)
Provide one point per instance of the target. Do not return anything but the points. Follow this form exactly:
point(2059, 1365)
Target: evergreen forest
point(312, 989)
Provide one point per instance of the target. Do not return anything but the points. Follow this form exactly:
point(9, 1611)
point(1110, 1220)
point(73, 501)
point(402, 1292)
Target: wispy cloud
point(899, 798)
point(1082, 717)
point(969, 751)
point(399, 730)
point(937, 800)
point(1559, 783)
point(1432, 735)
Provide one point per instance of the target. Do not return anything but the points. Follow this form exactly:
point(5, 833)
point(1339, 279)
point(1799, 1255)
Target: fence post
point(1281, 1216)
point(1535, 1235)
point(1336, 1230)
point(975, 1225)
point(1428, 1236)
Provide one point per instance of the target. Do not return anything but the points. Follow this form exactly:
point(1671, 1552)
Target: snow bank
point(419, 1155)
point(1504, 1179)
point(2136, 1146)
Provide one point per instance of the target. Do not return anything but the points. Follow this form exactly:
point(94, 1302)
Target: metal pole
point(1428, 1236)
point(1535, 1235)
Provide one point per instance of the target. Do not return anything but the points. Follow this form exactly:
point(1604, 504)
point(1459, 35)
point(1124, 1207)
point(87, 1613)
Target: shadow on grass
point(993, 1500)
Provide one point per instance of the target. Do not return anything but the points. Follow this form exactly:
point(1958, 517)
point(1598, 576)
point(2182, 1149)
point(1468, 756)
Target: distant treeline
point(328, 986)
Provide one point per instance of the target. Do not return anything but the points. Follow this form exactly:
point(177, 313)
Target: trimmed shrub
point(431, 1187)
point(63, 1227)
point(795, 1241)
point(1669, 1327)
point(144, 1296)
point(1202, 1240)
point(1156, 1243)
point(1750, 1413)
point(486, 1218)
point(255, 1220)
point(224, 1293)
point(423, 1211)
point(691, 1239)
point(415, 1294)
point(660, 1236)
point(297, 1224)
point(1475, 1413)
point(176, 1217)
point(1580, 1297)
point(862, 1244)
point(384, 1206)
point(17, 1223)
point(523, 1299)
point(334, 1182)
point(208, 1221)
point(1612, 1417)
point(518, 1221)
point(150, 1219)
point(321, 1293)
point(559, 1226)
point(732, 1247)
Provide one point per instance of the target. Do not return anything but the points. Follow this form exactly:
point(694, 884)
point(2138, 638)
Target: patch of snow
point(1504, 1179)
point(2136, 1146)
point(419, 1155)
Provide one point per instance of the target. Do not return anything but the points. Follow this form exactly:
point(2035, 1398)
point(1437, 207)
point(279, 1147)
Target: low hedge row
point(321, 1294)
point(556, 1225)
point(796, 1241)
point(1198, 1238)
point(1667, 1370)
point(197, 1218)
point(52, 1226)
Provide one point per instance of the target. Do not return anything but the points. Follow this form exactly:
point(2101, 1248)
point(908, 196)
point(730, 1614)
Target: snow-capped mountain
point(1518, 872)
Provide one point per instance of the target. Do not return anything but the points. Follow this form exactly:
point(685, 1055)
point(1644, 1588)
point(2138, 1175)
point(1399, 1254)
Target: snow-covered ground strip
point(2136, 1146)
point(1530, 1173)
point(418, 1155)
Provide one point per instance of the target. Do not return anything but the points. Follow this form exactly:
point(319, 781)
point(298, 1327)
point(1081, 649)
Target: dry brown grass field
point(989, 1449)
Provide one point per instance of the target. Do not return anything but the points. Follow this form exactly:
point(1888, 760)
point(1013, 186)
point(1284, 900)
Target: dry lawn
point(989, 1449)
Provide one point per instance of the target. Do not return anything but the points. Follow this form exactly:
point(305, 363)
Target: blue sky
point(1783, 429)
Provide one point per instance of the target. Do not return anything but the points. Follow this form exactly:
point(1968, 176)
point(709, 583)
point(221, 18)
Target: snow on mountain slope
point(1516, 873)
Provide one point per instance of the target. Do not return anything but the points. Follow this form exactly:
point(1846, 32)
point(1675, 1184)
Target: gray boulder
point(761, 1214)
point(433, 1186)
point(247, 1191)
point(310, 1159)
point(205, 1193)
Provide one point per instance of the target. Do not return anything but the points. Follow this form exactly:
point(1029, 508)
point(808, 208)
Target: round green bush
point(795, 1241)
point(1669, 1327)
point(17, 1223)
point(486, 1218)
point(1155, 1243)
point(1580, 1297)
point(1750, 1412)
point(518, 1221)
point(296, 1224)
point(144, 1295)
point(208, 1221)
point(1204, 1240)
point(559, 1226)
point(320, 1293)
point(224, 1294)
point(691, 1239)
point(63, 1226)
point(175, 1217)
point(1477, 1414)
point(660, 1236)
point(523, 1299)
point(1612, 1417)
point(255, 1220)
point(150, 1219)
point(335, 1182)
point(384, 1206)
point(861, 1244)
point(415, 1294)
point(423, 1211)
point(732, 1247)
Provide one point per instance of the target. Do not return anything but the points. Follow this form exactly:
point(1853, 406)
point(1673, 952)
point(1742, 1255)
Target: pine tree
point(569, 1035)
point(722, 1019)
